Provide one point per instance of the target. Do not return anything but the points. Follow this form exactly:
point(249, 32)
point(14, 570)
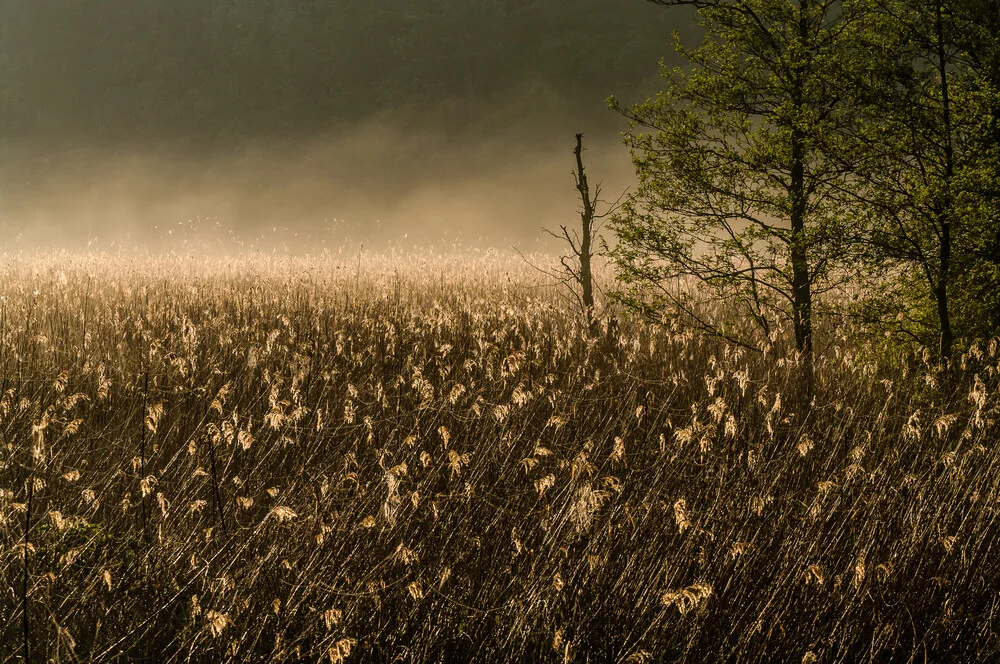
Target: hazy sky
point(330, 119)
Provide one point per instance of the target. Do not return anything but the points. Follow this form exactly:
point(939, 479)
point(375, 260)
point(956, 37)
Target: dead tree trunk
point(577, 272)
point(587, 232)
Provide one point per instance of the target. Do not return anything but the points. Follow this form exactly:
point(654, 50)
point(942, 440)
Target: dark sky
point(335, 120)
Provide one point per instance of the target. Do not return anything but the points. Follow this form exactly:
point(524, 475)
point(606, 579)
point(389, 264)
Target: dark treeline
point(191, 69)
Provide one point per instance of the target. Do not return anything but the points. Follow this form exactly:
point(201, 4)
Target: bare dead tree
point(576, 271)
point(585, 275)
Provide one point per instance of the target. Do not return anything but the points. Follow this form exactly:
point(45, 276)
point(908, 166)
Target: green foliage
point(814, 145)
point(735, 186)
point(925, 166)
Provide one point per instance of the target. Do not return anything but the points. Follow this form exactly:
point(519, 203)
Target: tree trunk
point(587, 219)
point(944, 218)
point(801, 278)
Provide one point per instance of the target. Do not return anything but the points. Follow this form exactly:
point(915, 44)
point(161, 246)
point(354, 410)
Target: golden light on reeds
point(319, 459)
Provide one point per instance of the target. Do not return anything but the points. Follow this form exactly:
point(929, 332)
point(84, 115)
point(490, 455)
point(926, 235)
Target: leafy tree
point(978, 279)
point(927, 134)
point(736, 190)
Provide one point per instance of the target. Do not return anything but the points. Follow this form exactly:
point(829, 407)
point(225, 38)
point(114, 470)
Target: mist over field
point(280, 125)
point(374, 182)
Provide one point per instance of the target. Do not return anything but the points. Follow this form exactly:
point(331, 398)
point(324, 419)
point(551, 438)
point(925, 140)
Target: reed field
point(374, 458)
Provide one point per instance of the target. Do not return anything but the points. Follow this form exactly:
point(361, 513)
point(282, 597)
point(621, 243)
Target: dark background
point(306, 122)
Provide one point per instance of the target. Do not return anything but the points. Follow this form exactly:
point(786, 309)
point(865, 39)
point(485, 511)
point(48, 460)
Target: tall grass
point(372, 459)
